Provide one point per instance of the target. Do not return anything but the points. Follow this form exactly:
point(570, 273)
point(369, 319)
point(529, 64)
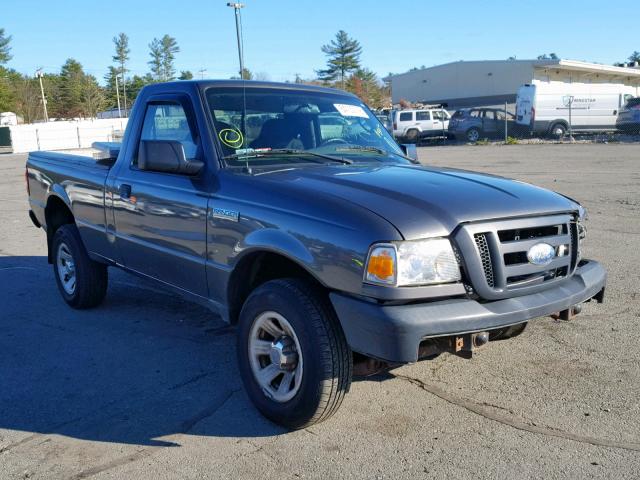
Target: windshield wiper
point(286, 151)
point(363, 148)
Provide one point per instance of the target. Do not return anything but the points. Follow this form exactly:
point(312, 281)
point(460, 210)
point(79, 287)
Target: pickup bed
point(290, 211)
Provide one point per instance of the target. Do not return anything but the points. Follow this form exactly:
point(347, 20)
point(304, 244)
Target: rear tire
point(290, 319)
point(558, 130)
point(412, 136)
point(81, 281)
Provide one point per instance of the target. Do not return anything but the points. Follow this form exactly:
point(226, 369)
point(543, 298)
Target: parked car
point(545, 107)
point(629, 117)
point(472, 124)
point(314, 247)
point(413, 125)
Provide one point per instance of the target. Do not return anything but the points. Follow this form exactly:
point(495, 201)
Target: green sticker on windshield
point(231, 137)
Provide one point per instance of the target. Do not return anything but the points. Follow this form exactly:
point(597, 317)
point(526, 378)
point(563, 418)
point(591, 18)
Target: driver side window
point(168, 121)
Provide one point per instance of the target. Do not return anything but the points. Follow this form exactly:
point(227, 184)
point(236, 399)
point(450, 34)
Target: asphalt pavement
point(146, 386)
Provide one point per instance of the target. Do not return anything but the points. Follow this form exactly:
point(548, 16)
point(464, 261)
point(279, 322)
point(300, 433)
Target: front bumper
point(393, 332)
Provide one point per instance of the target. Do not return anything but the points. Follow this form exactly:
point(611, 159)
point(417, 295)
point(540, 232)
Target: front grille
point(495, 254)
point(485, 257)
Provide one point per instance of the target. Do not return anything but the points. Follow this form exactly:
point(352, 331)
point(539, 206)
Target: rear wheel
point(558, 130)
point(81, 281)
point(473, 134)
point(294, 360)
point(412, 136)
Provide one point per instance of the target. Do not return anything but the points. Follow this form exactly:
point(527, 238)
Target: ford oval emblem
point(541, 254)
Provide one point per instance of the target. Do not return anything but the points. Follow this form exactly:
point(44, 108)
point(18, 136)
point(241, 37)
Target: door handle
point(124, 191)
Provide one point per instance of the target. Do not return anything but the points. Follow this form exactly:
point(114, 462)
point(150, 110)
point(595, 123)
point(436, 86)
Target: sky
point(283, 38)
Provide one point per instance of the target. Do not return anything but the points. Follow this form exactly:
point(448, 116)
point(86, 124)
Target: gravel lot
point(146, 386)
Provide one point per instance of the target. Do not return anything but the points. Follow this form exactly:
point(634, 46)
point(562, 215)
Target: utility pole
point(124, 91)
point(118, 97)
point(44, 100)
point(202, 71)
point(236, 7)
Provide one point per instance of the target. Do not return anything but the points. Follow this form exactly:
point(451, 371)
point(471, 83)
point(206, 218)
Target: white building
point(493, 82)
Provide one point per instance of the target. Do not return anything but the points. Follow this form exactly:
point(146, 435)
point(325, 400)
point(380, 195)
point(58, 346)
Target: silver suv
point(412, 125)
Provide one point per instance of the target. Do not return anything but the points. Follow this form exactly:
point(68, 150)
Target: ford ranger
point(291, 212)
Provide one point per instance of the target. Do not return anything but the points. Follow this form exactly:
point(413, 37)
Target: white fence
point(64, 135)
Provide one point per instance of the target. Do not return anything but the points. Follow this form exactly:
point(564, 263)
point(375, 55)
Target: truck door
point(160, 218)
point(423, 120)
point(489, 125)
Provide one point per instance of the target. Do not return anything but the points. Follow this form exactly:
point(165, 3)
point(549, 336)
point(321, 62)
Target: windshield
point(268, 126)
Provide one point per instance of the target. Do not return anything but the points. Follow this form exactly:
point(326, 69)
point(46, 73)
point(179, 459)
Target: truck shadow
point(143, 368)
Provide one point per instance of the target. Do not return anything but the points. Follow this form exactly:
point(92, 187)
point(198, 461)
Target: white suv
point(412, 125)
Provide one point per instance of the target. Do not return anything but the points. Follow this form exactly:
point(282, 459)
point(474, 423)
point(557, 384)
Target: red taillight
point(533, 115)
point(26, 179)
point(395, 126)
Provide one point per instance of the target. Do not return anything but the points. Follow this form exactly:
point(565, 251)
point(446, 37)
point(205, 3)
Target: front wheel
point(294, 360)
point(473, 135)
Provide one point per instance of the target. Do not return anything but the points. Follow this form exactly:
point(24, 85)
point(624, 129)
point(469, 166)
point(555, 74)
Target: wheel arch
point(259, 265)
point(56, 213)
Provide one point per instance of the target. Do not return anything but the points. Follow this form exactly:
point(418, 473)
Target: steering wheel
point(334, 140)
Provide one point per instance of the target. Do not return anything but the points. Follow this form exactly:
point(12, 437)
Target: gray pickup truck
point(291, 212)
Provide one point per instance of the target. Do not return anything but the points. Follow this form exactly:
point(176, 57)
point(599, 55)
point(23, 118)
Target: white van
point(548, 108)
point(412, 125)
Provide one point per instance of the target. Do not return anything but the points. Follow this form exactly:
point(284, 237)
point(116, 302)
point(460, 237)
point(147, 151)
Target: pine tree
point(5, 49)
point(185, 75)
point(344, 58)
point(155, 51)
point(163, 53)
point(121, 58)
point(71, 86)
point(169, 49)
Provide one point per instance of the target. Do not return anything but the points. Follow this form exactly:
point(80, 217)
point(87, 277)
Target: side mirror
point(410, 151)
point(166, 156)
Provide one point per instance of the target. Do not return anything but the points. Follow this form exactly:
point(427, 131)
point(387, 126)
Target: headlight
point(412, 263)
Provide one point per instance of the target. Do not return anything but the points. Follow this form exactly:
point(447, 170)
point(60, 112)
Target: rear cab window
point(406, 116)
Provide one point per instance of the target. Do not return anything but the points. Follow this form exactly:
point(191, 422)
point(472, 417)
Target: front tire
point(293, 357)
point(473, 135)
point(81, 281)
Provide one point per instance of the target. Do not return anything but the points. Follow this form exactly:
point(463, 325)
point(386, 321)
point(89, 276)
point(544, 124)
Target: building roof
point(559, 64)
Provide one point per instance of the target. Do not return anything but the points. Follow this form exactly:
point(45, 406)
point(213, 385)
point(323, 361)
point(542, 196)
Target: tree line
point(73, 93)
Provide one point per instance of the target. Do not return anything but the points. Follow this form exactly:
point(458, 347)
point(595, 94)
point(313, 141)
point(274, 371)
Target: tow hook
point(464, 345)
point(568, 314)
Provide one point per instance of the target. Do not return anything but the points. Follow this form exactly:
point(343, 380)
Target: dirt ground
point(146, 386)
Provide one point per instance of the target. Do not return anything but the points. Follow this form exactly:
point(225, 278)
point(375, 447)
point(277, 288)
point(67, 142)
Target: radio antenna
point(236, 7)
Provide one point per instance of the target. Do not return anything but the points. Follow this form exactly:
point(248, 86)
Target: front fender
point(280, 242)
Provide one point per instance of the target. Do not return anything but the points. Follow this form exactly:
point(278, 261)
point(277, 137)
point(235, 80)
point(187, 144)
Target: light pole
point(236, 7)
point(39, 74)
point(118, 97)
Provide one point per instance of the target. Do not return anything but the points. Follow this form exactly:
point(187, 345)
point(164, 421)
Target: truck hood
point(424, 202)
